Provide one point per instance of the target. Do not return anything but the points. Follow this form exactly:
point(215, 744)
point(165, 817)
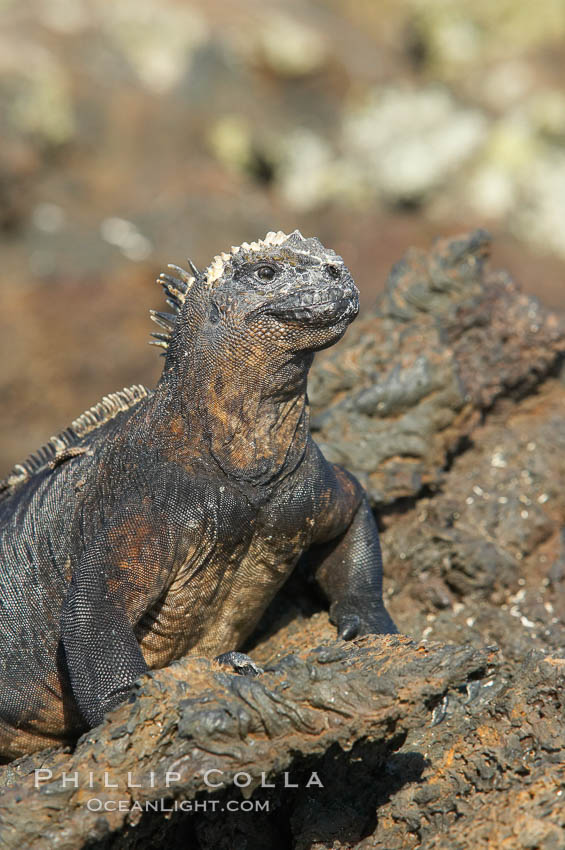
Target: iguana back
point(38, 506)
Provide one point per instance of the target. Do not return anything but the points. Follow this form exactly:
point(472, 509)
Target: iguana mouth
point(317, 307)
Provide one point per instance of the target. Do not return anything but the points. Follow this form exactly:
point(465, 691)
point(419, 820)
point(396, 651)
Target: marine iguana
point(163, 522)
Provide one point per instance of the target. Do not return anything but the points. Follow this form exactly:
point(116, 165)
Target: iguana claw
point(239, 662)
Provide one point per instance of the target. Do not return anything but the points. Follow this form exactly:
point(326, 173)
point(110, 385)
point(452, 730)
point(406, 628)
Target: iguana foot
point(348, 627)
point(239, 662)
point(375, 620)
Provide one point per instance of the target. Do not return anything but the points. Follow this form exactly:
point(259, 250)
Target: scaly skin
point(165, 524)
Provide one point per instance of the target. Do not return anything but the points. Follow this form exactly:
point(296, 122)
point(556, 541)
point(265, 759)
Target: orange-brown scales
point(163, 522)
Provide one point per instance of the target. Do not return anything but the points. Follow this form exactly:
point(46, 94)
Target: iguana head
point(282, 292)
point(239, 346)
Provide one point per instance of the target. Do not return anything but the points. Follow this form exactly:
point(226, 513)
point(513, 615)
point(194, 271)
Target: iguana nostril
point(333, 271)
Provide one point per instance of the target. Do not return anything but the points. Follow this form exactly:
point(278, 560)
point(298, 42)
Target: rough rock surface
point(190, 718)
point(485, 557)
point(495, 769)
point(455, 385)
point(412, 379)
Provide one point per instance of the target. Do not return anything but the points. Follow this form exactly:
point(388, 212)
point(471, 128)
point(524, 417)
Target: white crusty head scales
point(217, 267)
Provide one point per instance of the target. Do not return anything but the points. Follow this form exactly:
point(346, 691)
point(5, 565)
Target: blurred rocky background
point(137, 133)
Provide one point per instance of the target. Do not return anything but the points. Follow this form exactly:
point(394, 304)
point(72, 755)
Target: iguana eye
point(265, 272)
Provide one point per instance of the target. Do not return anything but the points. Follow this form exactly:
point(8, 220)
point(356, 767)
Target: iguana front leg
point(101, 651)
point(348, 568)
point(117, 578)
